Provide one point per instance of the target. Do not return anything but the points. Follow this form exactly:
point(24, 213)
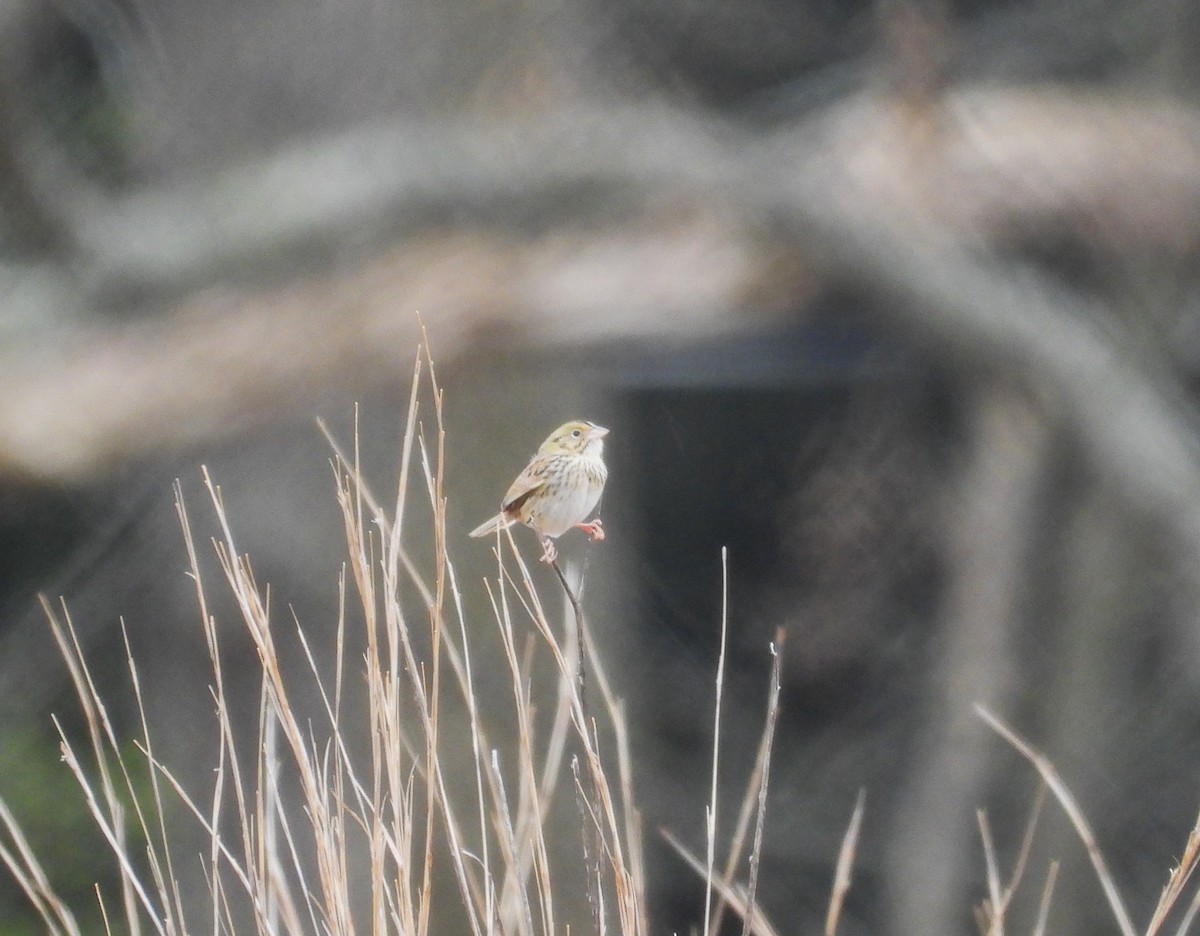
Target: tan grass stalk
point(634, 879)
point(1177, 882)
point(991, 913)
point(104, 802)
point(1039, 928)
point(605, 809)
point(733, 893)
point(845, 862)
point(730, 894)
point(772, 718)
point(27, 871)
point(710, 815)
point(1044, 767)
point(741, 828)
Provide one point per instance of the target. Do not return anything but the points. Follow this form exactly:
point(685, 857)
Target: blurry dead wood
point(1133, 422)
point(904, 203)
point(226, 360)
point(988, 531)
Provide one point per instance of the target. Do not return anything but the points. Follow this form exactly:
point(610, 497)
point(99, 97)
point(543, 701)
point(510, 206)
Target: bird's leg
point(549, 552)
point(595, 529)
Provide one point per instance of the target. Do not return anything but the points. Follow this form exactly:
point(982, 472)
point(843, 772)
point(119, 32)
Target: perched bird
point(558, 488)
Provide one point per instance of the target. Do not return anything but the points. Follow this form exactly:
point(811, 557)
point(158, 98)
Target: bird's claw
point(594, 530)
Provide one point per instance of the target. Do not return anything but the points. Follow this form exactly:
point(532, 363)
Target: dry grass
point(990, 915)
point(306, 834)
point(294, 816)
point(295, 819)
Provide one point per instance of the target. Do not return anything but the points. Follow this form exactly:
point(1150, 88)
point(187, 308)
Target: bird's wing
point(527, 482)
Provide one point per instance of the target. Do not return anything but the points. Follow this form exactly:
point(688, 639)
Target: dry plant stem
point(532, 805)
point(590, 844)
point(479, 896)
point(772, 719)
point(631, 882)
point(1039, 928)
point(438, 801)
point(1071, 808)
point(577, 608)
point(254, 606)
point(733, 894)
point(741, 829)
point(633, 821)
point(218, 691)
point(105, 806)
point(710, 823)
point(228, 764)
point(591, 849)
point(628, 903)
point(27, 871)
point(845, 862)
point(325, 814)
point(261, 879)
point(1185, 924)
point(991, 917)
point(1026, 843)
point(556, 745)
point(1176, 883)
point(168, 882)
point(461, 665)
point(537, 798)
point(992, 912)
point(508, 840)
point(103, 911)
point(386, 839)
point(730, 894)
point(534, 799)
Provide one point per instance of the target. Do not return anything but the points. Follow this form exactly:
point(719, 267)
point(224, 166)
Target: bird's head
point(580, 437)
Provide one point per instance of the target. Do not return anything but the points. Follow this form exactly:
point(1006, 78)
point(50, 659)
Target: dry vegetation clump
point(311, 831)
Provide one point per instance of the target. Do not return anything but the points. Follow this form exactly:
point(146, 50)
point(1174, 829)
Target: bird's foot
point(594, 530)
point(549, 551)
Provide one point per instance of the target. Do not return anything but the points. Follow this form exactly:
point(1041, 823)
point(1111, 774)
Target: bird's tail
point(498, 522)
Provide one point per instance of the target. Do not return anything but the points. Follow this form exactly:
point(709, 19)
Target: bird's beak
point(597, 432)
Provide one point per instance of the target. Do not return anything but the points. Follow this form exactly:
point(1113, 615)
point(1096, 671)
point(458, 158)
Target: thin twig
point(1186, 923)
point(591, 856)
point(733, 894)
point(590, 801)
point(1022, 862)
point(990, 914)
point(711, 815)
point(1180, 875)
point(1044, 906)
point(1074, 813)
point(841, 877)
point(742, 826)
point(993, 908)
point(772, 719)
point(578, 609)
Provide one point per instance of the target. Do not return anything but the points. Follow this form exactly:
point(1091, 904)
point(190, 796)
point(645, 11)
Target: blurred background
point(898, 301)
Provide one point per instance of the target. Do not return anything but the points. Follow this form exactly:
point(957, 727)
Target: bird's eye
point(576, 433)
